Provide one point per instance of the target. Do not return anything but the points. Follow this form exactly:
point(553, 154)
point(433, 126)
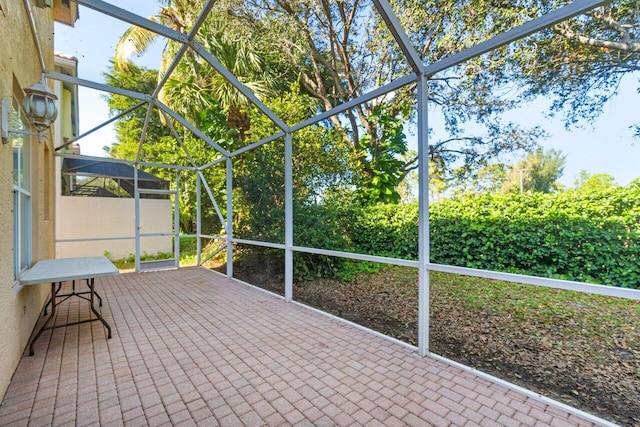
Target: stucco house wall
point(20, 68)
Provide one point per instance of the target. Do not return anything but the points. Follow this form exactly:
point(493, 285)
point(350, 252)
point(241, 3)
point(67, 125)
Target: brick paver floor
point(191, 347)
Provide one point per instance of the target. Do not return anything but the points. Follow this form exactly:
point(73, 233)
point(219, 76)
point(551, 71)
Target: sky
point(604, 146)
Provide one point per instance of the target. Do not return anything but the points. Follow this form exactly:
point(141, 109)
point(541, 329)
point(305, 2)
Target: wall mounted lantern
point(39, 106)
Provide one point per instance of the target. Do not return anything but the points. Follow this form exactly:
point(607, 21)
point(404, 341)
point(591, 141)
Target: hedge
point(592, 237)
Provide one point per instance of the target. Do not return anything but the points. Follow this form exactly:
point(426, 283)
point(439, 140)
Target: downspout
point(34, 32)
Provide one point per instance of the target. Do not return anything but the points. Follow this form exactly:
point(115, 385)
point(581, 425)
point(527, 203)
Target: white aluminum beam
point(382, 90)
point(259, 243)
point(132, 18)
point(193, 32)
point(229, 223)
point(231, 78)
point(214, 237)
point(612, 291)
point(183, 49)
point(198, 219)
point(155, 191)
point(167, 233)
point(94, 239)
point(360, 257)
point(170, 69)
point(172, 129)
point(175, 231)
point(143, 134)
point(516, 33)
point(400, 36)
point(143, 97)
point(213, 199)
point(98, 86)
point(100, 126)
point(34, 33)
point(176, 222)
point(126, 162)
point(546, 21)
point(136, 217)
point(257, 144)
point(213, 163)
point(192, 128)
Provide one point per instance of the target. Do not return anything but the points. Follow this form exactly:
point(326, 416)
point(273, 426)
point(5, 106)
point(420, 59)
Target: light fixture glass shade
point(40, 106)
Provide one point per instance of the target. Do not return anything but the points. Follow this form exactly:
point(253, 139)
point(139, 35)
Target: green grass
point(597, 317)
point(188, 248)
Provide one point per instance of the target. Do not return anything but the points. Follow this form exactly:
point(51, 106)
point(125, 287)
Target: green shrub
point(385, 230)
point(320, 226)
point(592, 237)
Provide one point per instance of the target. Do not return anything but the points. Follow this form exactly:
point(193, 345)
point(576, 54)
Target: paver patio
point(191, 347)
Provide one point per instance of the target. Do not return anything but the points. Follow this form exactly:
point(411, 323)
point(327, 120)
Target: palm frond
point(134, 41)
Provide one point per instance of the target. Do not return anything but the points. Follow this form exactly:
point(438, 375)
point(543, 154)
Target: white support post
point(229, 223)
point(198, 219)
point(176, 222)
point(288, 217)
point(137, 215)
point(423, 227)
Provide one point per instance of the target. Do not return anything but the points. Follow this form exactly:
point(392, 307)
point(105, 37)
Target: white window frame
point(22, 206)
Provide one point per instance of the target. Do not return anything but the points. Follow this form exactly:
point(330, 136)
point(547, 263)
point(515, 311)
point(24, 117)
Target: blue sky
point(606, 145)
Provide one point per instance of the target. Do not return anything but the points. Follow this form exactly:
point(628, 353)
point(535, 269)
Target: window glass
point(21, 190)
point(20, 148)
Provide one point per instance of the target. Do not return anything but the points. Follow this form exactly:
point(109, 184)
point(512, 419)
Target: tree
point(178, 15)
point(594, 182)
point(159, 144)
point(485, 179)
point(579, 63)
point(538, 172)
point(340, 50)
point(195, 86)
point(129, 128)
point(408, 187)
point(321, 165)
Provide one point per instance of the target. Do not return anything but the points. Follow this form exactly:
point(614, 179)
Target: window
point(21, 190)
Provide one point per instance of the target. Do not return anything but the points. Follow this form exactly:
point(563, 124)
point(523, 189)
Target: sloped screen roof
point(108, 169)
point(120, 172)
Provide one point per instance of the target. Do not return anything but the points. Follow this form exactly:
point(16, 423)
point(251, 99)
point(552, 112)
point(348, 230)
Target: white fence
point(91, 226)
